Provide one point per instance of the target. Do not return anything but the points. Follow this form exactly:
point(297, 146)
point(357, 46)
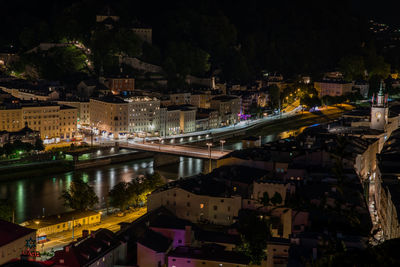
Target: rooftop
point(210, 253)
point(169, 222)
point(155, 241)
point(10, 232)
point(111, 99)
point(224, 98)
point(88, 250)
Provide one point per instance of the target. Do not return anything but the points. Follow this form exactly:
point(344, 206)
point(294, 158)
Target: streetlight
point(209, 155)
point(222, 145)
point(159, 143)
point(73, 222)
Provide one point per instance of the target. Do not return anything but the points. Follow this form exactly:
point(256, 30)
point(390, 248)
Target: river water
point(34, 197)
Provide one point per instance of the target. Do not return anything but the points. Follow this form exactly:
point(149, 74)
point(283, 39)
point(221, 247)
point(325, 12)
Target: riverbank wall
point(112, 159)
point(20, 171)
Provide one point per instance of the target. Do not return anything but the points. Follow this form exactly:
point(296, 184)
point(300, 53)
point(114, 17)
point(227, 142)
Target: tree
point(265, 199)
point(310, 101)
point(119, 195)
point(377, 67)
point(275, 95)
point(254, 231)
point(127, 42)
point(139, 188)
point(8, 149)
point(39, 144)
point(6, 210)
point(80, 196)
point(276, 199)
point(353, 67)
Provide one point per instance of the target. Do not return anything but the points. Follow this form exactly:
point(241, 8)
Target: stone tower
point(379, 111)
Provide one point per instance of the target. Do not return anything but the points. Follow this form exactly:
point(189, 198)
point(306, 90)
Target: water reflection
point(31, 195)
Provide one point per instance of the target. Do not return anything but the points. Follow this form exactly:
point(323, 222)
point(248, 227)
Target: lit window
point(201, 205)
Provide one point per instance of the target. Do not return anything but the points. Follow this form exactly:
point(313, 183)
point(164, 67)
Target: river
point(33, 197)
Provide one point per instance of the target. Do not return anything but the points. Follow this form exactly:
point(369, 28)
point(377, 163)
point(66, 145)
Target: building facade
point(333, 87)
point(171, 121)
point(379, 112)
point(83, 110)
point(13, 240)
point(180, 98)
point(187, 119)
point(144, 115)
point(52, 121)
point(145, 34)
point(68, 122)
point(63, 222)
point(196, 208)
point(228, 108)
point(121, 84)
point(109, 115)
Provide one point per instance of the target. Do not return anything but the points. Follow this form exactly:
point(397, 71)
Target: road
point(59, 240)
point(204, 135)
point(193, 152)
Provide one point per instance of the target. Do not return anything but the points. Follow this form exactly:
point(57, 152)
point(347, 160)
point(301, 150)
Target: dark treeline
point(239, 38)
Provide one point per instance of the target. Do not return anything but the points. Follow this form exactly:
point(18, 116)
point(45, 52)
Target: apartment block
point(68, 121)
point(228, 108)
point(144, 114)
point(51, 120)
point(83, 110)
point(109, 115)
point(196, 206)
point(120, 84)
point(333, 87)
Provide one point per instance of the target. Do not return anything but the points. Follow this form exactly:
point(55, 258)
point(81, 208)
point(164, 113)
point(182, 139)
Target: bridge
point(177, 150)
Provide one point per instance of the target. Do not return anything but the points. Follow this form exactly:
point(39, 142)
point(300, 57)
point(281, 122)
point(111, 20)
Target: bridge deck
point(194, 152)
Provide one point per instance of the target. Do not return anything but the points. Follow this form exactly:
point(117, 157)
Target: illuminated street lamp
point(159, 143)
point(209, 154)
point(222, 145)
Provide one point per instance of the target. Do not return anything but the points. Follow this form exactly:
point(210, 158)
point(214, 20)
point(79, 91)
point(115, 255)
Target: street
point(59, 240)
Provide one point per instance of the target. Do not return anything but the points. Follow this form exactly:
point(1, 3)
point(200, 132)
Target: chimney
point(85, 233)
point(188, 235)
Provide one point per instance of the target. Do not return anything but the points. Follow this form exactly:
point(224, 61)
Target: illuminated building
point(379, 112)
point(144, 114)
point(109, 115)
point(51, 120)
point(333, 87)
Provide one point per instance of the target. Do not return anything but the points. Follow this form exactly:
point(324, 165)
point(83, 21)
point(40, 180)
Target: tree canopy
point(80, 196)
point(6, 210)
point(135, 192)
point(211, 35)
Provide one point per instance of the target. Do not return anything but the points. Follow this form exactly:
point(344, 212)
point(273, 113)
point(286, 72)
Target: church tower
point(379, 111)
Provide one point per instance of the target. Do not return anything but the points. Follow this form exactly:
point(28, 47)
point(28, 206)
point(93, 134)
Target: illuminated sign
point(30, 251)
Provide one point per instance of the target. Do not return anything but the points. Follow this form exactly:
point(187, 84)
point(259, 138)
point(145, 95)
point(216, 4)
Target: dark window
point(215, 207)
